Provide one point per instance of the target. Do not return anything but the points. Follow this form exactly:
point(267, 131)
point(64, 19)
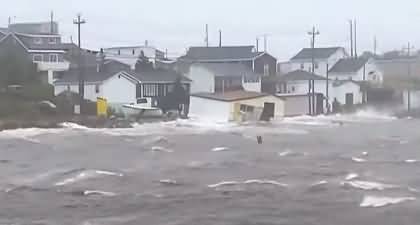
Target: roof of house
point(217, 54)
point(40, 28)
point(231, 95)
point(318, 53)
point(4, 30)
point(348, 65)
point(112, 67)
point(300, 75)
point(29, 43)
point(229, 69)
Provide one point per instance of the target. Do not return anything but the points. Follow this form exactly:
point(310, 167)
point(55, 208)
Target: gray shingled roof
point(319, 53)
point(112, 67)
point(300, 75)
point(217, 54)
point(348, 65)
point(229, 69)
point(28, 42)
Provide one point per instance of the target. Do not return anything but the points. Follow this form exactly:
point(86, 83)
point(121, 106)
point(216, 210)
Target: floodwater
point(342, 170)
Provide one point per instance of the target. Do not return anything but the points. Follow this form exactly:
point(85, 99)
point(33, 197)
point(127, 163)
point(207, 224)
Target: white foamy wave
point(161, 149)
point(359, 160)
point(264, 182)
point(85, 175)
point(285, 153)
point(320, 183)
point(70, 125)
point(375, 201)
point(97, 192)
point(352, 176)
point(367, 185)
point(168, 182)
point(223, 183)
point(28, 134)
point(220, 149)
point(411, 161)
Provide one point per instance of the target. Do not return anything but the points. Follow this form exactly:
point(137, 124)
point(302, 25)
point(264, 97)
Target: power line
point(408, 49)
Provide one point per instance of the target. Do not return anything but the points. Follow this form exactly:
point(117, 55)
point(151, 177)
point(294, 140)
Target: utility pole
point(375, 45)
point(220, 38)
point(52, 23)
point(408, 49)
point(351, 38)
point(355, 39)
point(313, 33)
point(207, 36)
point(79, 21)
point(258, 43)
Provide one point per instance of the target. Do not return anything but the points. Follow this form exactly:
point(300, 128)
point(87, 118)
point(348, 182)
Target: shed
point(236, 106)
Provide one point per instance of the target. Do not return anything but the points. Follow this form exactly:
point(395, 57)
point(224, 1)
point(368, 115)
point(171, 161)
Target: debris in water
point(96, 192)
point(169, 182)
point(352, 176)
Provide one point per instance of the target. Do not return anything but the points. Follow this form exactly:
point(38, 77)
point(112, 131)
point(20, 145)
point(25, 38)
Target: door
point(349, 99)
point(319, 104)
point(268, 111)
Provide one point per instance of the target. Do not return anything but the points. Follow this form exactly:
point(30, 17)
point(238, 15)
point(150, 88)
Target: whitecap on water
point(168, 182)
point(97, 192)
point(359, 160)
point(223, 183)
point(220, 149)
point(161, 149)
point(352, 176)
point(367, 185)
point(285, 153)
point(73, 126)
point(411, 161)
point(375, 201)
point(85, 175)
point(265, 182)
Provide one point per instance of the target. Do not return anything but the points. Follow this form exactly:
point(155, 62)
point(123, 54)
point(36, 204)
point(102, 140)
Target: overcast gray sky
point(178, 24)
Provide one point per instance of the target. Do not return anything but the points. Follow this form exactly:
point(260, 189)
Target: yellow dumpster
point(101, 107)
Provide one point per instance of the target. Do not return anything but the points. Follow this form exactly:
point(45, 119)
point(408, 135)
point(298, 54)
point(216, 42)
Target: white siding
point(414, 99)
point(119, 89)
point(302, 87)
point(296, 105)
point(202, 80)
point(210, 109)
point(340, 92)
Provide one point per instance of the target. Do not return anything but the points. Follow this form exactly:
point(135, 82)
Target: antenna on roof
point(10, 21)
point(355, 39)
point(351, 38)
point(258, 43)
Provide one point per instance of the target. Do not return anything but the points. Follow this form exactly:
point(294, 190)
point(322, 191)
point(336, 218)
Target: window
point(96, 88)
point(246, 108)
point(119, 52)
point(302, 66)
point(293, 89)
point(68, 87)
point(37, 58)
point(316, 65)
point(53, 57)
point(52, 40)
point(134, 51)
point(266, 70)
point(38, 40)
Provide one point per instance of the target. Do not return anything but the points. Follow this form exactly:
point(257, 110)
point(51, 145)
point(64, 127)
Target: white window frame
point(49, 57)
point(38, 40)
point(54, 40)
point(40, 55)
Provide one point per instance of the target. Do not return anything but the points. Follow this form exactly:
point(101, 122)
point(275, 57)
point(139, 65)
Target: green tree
point(143, 64)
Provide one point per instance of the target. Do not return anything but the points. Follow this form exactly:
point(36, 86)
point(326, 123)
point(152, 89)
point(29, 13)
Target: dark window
point(246, 108)
point(68, 87)
point(302, 66)
point(119, 52)
point(138, 91)
point(316, 65)
point(150, 90)
point(97, 88)
point(134, 52)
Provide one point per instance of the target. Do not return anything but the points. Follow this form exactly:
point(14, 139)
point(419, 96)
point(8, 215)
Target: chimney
point(100, 58)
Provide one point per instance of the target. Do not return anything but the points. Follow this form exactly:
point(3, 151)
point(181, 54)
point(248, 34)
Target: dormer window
point(38, 40)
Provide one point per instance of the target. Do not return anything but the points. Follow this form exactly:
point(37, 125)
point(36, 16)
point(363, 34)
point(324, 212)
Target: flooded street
point(359, 169)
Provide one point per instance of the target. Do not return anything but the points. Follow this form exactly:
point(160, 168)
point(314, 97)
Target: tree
point(176, 99)
point(16, 69)
point(143, 63)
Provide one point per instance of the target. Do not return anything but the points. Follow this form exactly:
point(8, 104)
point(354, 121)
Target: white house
point(324, 59)
point(360, 69)
point(130, 54)
point(220, 77)
point(236, 106)
point(346, 92)
point(118, 84)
